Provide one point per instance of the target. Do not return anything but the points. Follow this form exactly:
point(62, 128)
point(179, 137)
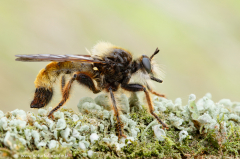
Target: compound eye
point(147, 64)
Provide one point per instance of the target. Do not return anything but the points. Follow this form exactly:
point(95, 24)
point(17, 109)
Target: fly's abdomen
point(47, 77)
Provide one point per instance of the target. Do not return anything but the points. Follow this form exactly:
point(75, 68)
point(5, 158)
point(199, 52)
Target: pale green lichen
point(200, 127)
point(182, 135)
point(159, 133)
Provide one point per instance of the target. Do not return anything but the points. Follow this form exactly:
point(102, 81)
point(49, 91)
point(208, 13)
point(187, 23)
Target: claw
point(121, 135)
point(165, 127)
point(51, 116)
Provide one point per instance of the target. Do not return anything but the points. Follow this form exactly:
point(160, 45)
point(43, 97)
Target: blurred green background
point(199, 42)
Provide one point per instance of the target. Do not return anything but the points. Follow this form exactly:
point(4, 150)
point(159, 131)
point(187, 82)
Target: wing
point(58, 58)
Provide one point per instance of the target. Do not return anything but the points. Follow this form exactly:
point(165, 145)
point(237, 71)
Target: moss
point(217, 136)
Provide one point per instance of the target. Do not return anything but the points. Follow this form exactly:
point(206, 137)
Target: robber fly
point(108, 68)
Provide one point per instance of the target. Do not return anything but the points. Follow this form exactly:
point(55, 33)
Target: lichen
point(198, 128)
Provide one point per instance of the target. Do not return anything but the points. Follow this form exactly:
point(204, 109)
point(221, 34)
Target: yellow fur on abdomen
point(48, 76)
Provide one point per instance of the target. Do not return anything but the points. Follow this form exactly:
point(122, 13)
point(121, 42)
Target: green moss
point(224, 141)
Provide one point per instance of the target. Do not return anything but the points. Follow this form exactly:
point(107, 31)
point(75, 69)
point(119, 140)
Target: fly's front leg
point(138, 87)
point(150, 89)
point(116, 113)
point(155, 93)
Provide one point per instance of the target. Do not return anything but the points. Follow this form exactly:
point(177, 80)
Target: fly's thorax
point(118, 60)
point(116, 66)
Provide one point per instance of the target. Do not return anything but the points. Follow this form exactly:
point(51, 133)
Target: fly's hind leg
point(83, 79)
point(63, 83)
point(116, 113)
point(138, 87)
point(65, 95)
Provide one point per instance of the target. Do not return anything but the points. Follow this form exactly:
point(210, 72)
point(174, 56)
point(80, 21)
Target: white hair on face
point(140, 77)
point(157, 70)
point(144, 78)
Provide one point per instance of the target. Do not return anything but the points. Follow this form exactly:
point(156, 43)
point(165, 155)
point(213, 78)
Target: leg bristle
point(116, 113)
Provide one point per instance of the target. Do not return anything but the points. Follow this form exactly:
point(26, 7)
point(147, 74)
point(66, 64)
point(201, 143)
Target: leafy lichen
point(199, 128)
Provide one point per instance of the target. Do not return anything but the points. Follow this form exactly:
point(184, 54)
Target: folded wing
point(58, 58)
